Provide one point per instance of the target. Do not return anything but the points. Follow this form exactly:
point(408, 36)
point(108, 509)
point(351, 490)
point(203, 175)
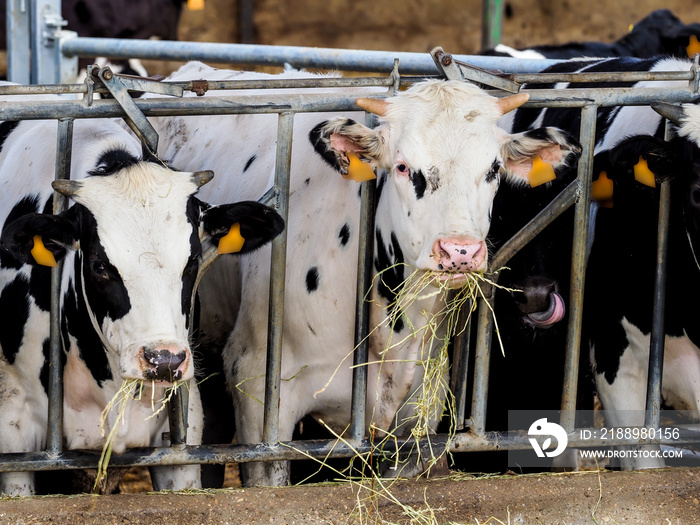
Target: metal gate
point(65, 111)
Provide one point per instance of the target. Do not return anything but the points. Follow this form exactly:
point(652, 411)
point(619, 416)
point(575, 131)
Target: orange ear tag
point(195, 5)
point(602, 189)
point(693, 46)
point(541, 172)
point(232, 242)
point(643, 174)
point(357, 170)
point(41, 254)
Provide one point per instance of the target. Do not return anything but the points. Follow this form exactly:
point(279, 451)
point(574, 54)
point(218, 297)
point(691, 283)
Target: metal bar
point(299, 57)
point(54, 431)
point(18, 48)
point(246, 31)
point(656, 347)
point(51, 109)
point(579, 256)
point(364, 282)
point(629, 76)
point(277, 282)
point(460, 367)
point(491, 23)
point(482, 361)
point(46, 21)
point(320, 449)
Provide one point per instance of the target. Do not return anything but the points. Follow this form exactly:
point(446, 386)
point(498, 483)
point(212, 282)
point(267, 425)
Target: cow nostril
point(163, 364)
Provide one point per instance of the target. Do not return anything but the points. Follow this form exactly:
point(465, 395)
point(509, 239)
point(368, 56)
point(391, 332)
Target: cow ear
point(255, 223)
point(334, 138)
point(551, 145)
point(57, 234)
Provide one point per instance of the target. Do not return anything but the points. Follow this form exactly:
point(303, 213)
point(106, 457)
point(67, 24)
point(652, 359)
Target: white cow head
point(445, 157)
point(138, 232)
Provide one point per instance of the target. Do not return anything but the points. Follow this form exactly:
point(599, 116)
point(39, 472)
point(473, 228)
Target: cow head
point(138, 234)
point(445, 157)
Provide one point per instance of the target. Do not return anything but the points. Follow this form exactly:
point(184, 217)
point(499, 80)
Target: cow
point(621, 277)
point(540, 273)
point(439, 157)
point(130, 247)
point(659, 33)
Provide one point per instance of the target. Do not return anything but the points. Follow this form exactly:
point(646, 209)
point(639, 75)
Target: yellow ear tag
point(195, 5)
point(693, 46)
point(357, 170)
point(602, 189)
point(541, 172)
point(41, 254)
point(643, 174)
point(232, 242)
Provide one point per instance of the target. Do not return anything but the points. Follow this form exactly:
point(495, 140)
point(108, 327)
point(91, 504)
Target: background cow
point(437, 148)
point(659, 33)
point(131, 247)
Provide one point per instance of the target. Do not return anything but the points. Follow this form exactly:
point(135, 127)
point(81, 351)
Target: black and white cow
point(621, 277)
point(440, 158)
point(131, 247)
point(659, 33)
point(614, 125)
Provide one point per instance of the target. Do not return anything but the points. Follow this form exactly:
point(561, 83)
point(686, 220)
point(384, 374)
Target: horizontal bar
point(299, 57)
point(627, 76)
point(52, 109)
point(319, 449)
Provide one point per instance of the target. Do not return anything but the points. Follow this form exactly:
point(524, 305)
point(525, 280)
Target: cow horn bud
point(66, 187)
point(512, 102)
point(200, 178)
point(373, 105)
point(672, 112)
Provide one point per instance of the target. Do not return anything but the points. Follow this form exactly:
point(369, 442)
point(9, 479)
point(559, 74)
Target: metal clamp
point(456, 70)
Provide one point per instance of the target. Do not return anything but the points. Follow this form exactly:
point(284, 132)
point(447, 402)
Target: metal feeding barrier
point(136, 111)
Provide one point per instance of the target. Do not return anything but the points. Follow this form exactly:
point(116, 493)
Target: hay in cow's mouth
point(130, 390)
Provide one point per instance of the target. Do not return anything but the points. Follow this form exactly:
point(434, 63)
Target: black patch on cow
point(322, 145)
point(14, 309)
point(389, 264)
point(6, 128)
point(104, 287)
point(381, 181)
point(250, 161)
point(493, 172)
point(112, 161)
point(344, 234)
point(189, 274)
point(29, 204)
point(419, 183)
point(307, 181)
point(312, 279)
point(76, 323)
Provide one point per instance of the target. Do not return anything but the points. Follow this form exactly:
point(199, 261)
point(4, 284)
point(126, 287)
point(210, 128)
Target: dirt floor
point(665, 497)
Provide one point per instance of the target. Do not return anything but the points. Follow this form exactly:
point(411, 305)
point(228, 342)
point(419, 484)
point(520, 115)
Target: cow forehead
point(141, 209)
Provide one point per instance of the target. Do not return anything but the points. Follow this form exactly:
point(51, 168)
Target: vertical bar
point(177, 416)
point(54, 436)
point(45, 20)
point(18, 49)
point(482, 361)
point(579, 256)
point(245, 16)
point(491, 23)
point(277, 282)
point(458, 381)
point(656, 348)
point(364, 282)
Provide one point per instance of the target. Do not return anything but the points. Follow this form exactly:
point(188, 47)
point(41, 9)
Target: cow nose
point(163, 364)
point(459, 255)
point(535, 294)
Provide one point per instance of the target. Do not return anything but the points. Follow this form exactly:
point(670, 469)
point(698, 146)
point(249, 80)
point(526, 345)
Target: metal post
point(46, 22)
point(482, 360)
point(579, 257)
point(277, 281)
point(656, 348)
point(492, 23)
point(54, 436)
point(18, 49)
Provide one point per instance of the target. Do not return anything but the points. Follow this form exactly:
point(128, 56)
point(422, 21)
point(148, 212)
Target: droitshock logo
point(542, 427)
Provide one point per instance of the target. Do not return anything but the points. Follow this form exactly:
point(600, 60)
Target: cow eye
point(402, 168)
point(98, 268)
